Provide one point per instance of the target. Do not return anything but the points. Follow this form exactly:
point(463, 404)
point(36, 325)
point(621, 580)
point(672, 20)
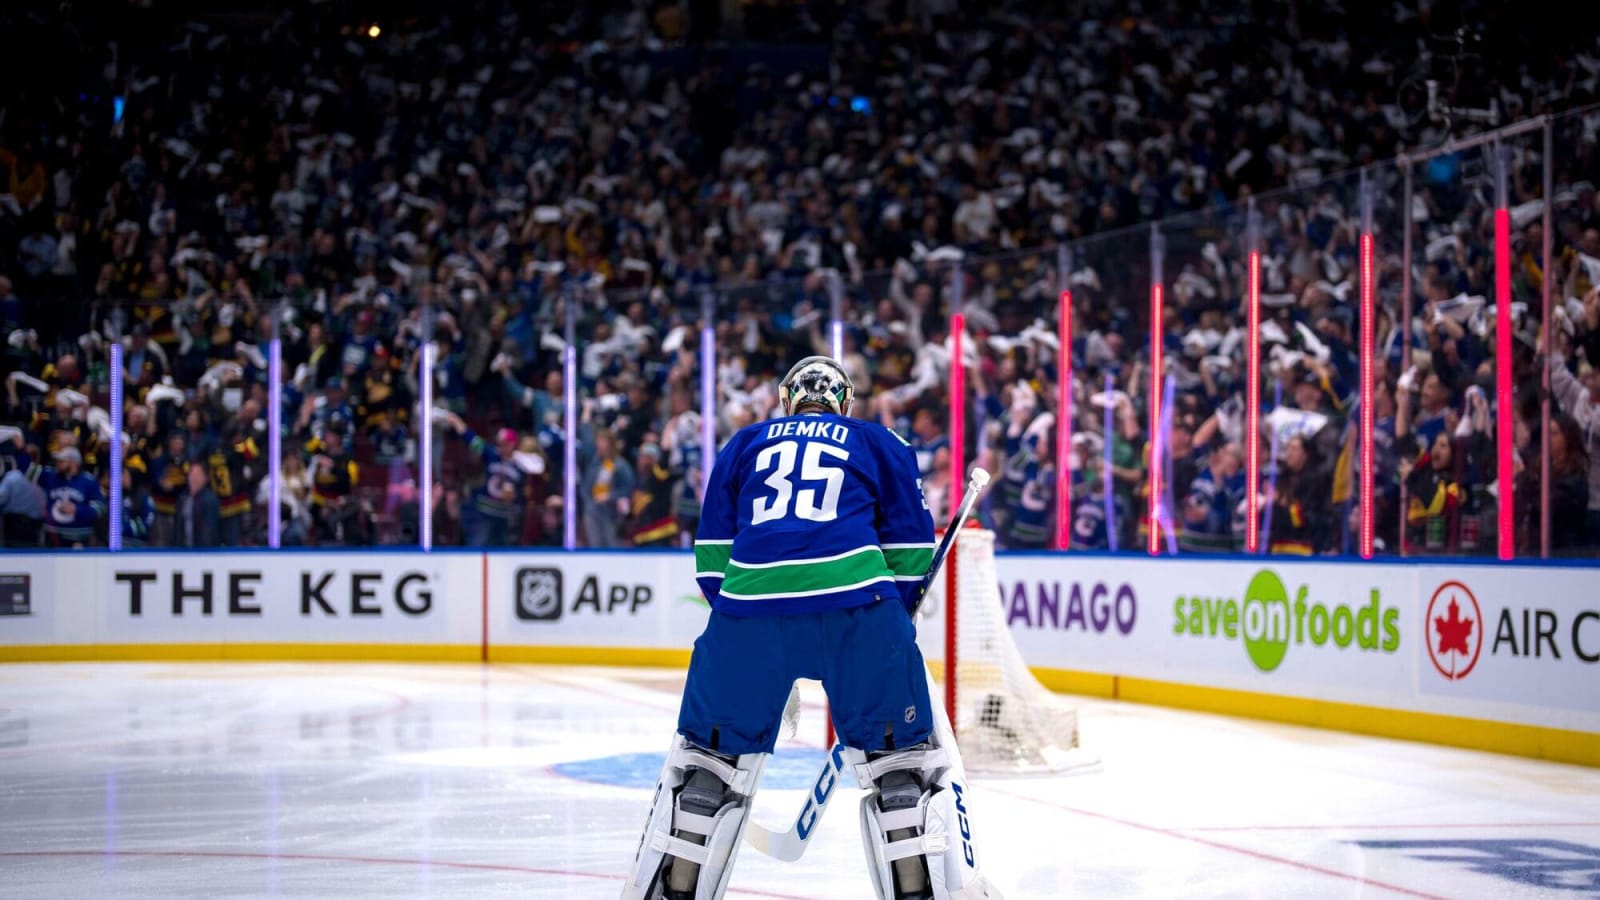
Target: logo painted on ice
point(1546, 865)
point(1454, 626)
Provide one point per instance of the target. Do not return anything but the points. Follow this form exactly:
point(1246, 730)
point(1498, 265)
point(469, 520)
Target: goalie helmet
point(816, 380)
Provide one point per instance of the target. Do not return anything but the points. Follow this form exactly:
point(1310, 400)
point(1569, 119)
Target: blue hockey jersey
point(809, 513)
point(500, 497)
point(83, 492)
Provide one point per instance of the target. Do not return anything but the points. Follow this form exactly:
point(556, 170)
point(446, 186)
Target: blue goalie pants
point(866, 658)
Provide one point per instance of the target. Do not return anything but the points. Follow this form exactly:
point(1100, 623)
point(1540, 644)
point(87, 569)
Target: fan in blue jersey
point(1030, 483)
point(496, 511)
point(927, 436)
point(1208, 510)
point(1090, 529)
point(22, 507)
point(812, 543)
point(73, 501)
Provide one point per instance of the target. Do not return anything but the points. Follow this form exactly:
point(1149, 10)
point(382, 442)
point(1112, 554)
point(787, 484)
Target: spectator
point(496, 510)
point(138, 514)
point(294, 501)
point(653, 522)
point(1030, 479)
point(144, 363)
point(199, 513)
point(928, 435)
point(1580, 400)
point(22, 503)
point(1207, 516)
point(168, 480)
point(447, 515)
point(232, 466)
point(37, 255)
point(335, 509)
point(429, 200)
point(1091, 528)
point(1436, 496)
point(606, 491)
point(391, 442)
point(1299, 501)
point(73, 501)
point(1569, 483)
point(552, 529)
point(1431, 418)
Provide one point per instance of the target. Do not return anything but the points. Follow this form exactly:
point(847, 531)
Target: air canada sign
point(1462, 631)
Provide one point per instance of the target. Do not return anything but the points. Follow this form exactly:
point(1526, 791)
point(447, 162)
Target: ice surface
point(355, 781)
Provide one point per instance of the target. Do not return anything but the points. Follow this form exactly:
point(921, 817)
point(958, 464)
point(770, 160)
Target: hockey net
point(1005, 720)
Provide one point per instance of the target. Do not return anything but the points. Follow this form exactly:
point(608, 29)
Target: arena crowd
point(365, 190)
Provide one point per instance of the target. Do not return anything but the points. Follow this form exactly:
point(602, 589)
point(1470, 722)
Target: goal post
point(1005, 721)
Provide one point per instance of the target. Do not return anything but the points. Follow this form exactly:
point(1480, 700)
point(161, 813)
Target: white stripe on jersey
point(817, 593)
point(813, 559)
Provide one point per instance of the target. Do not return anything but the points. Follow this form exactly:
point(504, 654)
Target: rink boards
point(1497, 657)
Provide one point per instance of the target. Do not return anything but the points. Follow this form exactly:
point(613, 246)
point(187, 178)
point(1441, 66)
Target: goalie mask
point(819, 381)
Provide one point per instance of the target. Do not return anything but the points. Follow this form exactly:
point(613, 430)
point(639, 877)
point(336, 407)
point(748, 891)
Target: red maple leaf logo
point(1453, 630)
point(1460, 630)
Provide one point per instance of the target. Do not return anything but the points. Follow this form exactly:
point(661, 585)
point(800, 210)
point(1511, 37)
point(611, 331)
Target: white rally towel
point(1286, 422)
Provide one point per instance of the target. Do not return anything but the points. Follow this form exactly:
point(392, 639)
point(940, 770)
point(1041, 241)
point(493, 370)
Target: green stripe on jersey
point(909, 560)
point(801, 578)
point(712, 557)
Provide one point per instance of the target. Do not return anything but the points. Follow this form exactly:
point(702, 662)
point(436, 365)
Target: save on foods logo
point(1267, 621)
point(1455, 630)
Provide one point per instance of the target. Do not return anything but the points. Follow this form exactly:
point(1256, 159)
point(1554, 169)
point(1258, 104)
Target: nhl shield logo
point(539, 594)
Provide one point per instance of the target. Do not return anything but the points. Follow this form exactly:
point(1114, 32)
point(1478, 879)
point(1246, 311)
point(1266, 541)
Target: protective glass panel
point(1575, 359)
point(1206, 337)
point(1309, 331)
point(897, 346)
point(1011, 311)
point(56, 425)
point(1109, 457)
point(196, 414)
point(1390, 356)
point(345, 416)
point(1447, 406)
point(1550, 495)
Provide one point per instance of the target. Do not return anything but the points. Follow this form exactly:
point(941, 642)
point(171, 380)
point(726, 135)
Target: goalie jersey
point(812, 512)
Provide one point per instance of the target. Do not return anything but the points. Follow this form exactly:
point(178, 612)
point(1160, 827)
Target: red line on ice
point(310, 857)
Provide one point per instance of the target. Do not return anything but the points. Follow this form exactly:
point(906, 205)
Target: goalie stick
point(790, 845)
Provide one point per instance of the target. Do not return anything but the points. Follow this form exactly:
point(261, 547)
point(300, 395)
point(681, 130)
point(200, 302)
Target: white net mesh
point(1005, 720)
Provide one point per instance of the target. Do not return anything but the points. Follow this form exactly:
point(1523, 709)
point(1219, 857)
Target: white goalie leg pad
point(937, 829)
point(689, 831)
